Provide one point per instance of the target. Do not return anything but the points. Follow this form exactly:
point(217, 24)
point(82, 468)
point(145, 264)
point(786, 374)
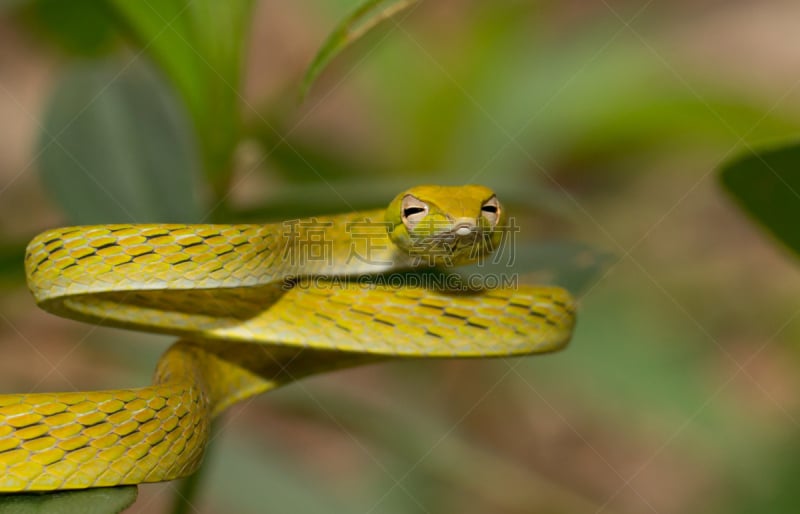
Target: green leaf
point(766, 184)
point(116, 147)
point(572, 265)
point(358, 23)
point(101, 500)
point(199, 45)
point(83, 27)
point(12, 257)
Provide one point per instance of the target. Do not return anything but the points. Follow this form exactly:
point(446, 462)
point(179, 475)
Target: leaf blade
point(115, 147)
point(199, 45)
point(99, 500)
point(766, 185)
point(367, 16)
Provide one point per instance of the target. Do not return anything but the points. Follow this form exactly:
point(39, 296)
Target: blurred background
point(601, 124)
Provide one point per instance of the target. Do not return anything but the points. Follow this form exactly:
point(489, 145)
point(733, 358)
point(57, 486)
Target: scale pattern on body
point(255, 306)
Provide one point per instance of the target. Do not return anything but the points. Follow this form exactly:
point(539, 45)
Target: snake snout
point(464, 227)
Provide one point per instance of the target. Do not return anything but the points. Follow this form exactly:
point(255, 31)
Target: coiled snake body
point(255, 306)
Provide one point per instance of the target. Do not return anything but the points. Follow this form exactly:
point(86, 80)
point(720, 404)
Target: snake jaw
point(457, 244)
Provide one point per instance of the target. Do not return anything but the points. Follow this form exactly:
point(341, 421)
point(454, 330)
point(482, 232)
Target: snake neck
point(338, 245)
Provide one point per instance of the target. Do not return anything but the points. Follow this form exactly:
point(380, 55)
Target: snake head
point(444, 225)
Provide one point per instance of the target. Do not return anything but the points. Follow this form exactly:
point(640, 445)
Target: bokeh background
point(601, 123)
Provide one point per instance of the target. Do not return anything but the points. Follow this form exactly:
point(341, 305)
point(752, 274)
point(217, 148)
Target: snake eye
point(491, 210)
point(414, 210)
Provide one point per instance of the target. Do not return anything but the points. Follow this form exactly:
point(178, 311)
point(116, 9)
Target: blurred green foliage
point(566, 119)
point(200, 46)
point(82, 27)
point(766, 183)
point(350, 29)
point(116, 146)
